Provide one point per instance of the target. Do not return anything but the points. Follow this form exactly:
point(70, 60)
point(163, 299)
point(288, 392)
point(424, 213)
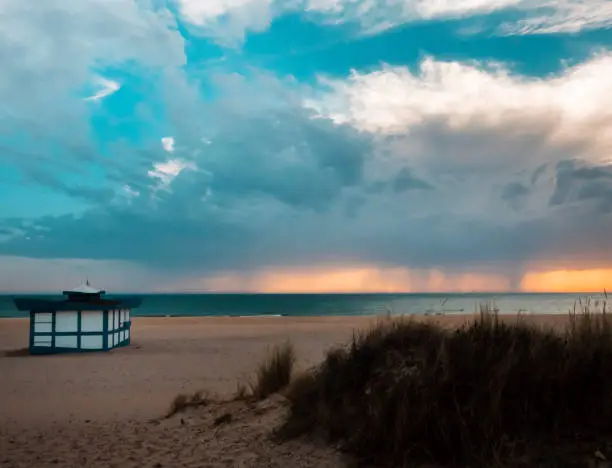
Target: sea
point(295, 305)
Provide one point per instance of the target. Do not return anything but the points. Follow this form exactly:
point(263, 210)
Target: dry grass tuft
point(242, 392)
point(274, 372)
point(182, 401)
point(485, 394)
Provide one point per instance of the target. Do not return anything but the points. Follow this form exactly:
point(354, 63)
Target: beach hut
point(83, 320)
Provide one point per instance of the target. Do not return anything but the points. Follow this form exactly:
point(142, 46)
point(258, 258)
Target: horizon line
point(194, 292)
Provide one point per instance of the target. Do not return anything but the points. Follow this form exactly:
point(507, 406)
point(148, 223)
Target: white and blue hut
point(82, 321)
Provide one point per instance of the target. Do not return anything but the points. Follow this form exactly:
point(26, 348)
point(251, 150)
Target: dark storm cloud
point(576, 182)
point(405, 180)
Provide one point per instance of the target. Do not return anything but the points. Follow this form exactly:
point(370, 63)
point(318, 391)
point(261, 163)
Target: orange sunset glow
point(395, 280)
point(593, 280)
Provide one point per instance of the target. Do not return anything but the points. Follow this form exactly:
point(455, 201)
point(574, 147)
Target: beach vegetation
point(495, 391)
point(183, 401)
point(274, 372)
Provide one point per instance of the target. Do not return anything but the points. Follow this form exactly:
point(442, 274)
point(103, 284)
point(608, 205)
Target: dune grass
point(274, 372)
point(484, 394)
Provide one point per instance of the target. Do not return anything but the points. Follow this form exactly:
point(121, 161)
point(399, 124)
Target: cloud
point(457, 167)
point(534, 16)
point(54, 50)
point(566, 110)
point(228, 21)
point(31, 275)
point(561, 16)
point(108, 87)
point(168, 144)
point(460, 167)
point(167, 171)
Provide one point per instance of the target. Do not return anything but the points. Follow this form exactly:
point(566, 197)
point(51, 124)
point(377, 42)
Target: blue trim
point(105, 330)
point(32, 329)
point(53, 320)
point(73, 333)
point(50, 350)
point(79, 328)
point(46, 305)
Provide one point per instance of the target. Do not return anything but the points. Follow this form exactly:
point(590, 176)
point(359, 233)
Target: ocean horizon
point(191, 304)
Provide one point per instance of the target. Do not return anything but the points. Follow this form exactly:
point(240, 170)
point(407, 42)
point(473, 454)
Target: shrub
point(408, 391)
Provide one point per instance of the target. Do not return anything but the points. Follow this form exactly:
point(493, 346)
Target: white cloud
point(167, 171)
point(571, 107)
point(229, 20)
point(439, 8)
point(562, 16)
point(204, 12)
point(543, 16)
point(108, 87)
point(130, 192)
point(168, 144)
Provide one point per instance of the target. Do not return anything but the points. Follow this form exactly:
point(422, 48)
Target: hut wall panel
point(64, 341)
point(42, 340)
point(66, 321)
point(116, 319)
point(127, 314)
point(91, 321)
point(111, 320)
point(91, 342)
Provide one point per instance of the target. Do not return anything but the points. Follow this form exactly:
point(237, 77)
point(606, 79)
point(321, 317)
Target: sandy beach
point(97, 409)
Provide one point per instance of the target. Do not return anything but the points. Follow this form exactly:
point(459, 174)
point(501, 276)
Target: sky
point(306, 145)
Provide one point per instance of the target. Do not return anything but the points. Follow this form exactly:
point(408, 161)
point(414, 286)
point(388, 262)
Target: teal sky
point(187, 144)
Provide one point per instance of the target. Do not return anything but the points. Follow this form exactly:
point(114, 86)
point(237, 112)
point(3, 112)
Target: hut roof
point(84, 288)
